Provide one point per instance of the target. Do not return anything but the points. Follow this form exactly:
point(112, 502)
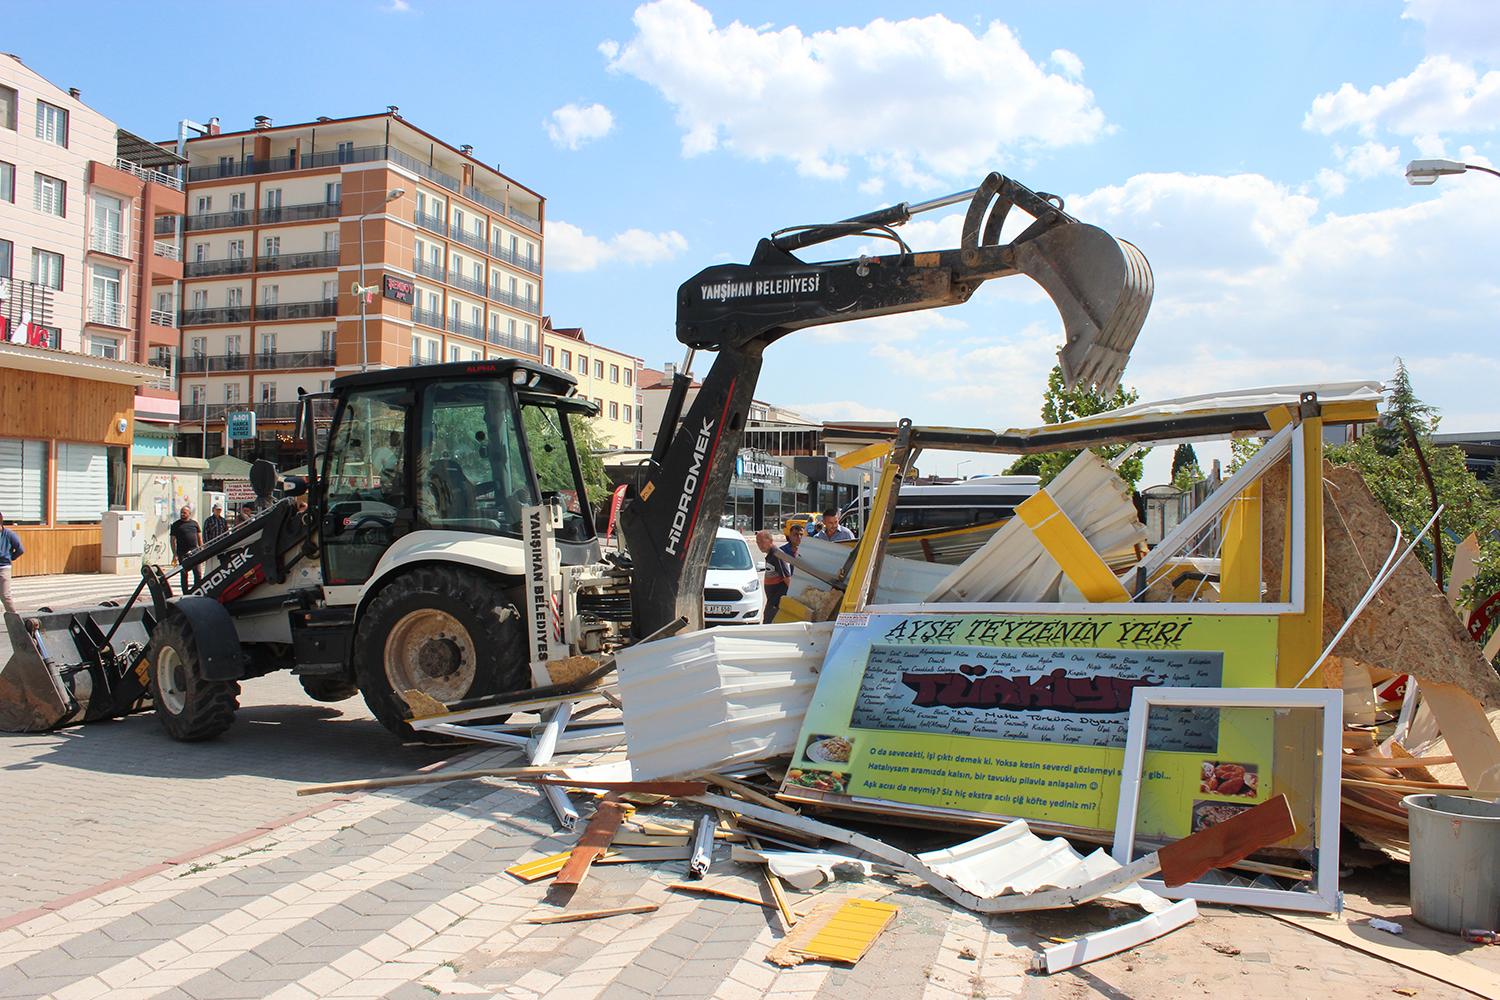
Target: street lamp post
point(360, 291)
point(1423, 172)
point(959, 467)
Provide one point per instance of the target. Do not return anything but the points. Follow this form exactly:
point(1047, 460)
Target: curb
point(259, 830)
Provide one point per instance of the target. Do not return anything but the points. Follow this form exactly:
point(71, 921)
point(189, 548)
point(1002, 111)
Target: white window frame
point(104, 347)
point(331, 241)
point(333, 192)
point(231, 393)
point(82, 475)
point(200, 298)
point(197, 394)
point(114, 227)
point(55, 265)
point(234, 297)
point(101, 309)
point(235, 249)
point(49, 195)
point(1326, 897)
point(52, 124)
point(232, 345)
point(7, 182)
point(268, 392)
point(273, 198)
point(270, 295)
point(266, 342)
point(271, 246)
point(199, 347)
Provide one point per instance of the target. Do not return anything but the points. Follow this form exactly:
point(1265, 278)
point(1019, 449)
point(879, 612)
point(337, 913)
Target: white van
point(732, 593)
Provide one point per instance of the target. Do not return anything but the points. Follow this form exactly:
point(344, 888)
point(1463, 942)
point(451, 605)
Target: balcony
point(197, 412)
point(148, 175)
point(163, 248)
point(110, 241)
point(530, 264)
point(475, 330)
point(496, 205)
point(109, 314)
point(210, 268)
point(427, 270)
point(514, 301)
point(299, 213)
point(431, 223)
point(164, 317)
point(237, 219)
point(295, 359)
point(198, 363)
point(222, 314)
point(467, 284)
point(272, 410)
point(297, 310)
point(298, 261)
point(432, 319)
point(166, 225)
point(469, 239)
point(511, 343)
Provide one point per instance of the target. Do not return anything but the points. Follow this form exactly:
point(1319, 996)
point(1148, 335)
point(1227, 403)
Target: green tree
point(1061, 404)
point(1185, 468)
point(1402, 408)
point(1241, 450)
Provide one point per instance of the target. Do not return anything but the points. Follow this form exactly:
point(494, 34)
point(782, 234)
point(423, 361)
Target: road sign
point(240, 425)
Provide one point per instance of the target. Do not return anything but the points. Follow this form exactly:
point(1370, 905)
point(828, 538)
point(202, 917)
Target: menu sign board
point(1024, 715)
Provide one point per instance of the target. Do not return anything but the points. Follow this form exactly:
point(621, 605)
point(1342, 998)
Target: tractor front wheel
point(445, 632)
point(189, 707)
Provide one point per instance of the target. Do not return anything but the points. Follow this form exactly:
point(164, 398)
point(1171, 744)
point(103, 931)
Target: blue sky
point(1253, 151)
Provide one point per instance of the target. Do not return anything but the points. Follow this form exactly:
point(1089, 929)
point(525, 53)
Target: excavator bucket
point(1102, 286)
point(33, 697)
point(46, 678)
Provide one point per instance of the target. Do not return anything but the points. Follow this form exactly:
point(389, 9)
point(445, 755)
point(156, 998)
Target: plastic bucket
point(1455, 861)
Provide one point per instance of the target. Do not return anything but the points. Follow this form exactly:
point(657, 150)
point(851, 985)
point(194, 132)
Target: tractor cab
point(458, 449)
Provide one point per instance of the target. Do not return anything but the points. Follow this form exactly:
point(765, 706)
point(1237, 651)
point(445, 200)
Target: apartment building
point(281, 222)
point(79, 266)
point(609, 377)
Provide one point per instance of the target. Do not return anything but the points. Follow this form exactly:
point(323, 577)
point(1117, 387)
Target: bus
point(948, 522)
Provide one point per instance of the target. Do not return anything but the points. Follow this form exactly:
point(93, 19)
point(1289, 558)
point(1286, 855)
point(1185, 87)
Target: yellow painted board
point(1065, 543)
point(1300, 636)
point(855, 595)
point(850, 932)
point(1239, 574)
point(868, 453)
point(539, 868)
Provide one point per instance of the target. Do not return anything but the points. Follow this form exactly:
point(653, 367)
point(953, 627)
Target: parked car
point(731, 588)
point(806, 520)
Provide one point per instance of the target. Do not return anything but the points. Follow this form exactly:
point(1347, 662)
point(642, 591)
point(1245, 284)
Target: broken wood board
point(432, 778)
point(1467, 731)
point(670, 789)
point(594, 842)
point(1409, 627)
point(570, 916)
point(570, 669)
point(1399, 951)
point(1225, 843)
point(835, 931)
point(740, 887)
point(1465, 568)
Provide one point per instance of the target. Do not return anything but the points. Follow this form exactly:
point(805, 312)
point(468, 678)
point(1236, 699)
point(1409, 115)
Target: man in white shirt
point(830, 530)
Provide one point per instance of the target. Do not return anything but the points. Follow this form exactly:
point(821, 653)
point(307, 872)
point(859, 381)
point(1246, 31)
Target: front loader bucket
point(1102, 287)
point(33, 697)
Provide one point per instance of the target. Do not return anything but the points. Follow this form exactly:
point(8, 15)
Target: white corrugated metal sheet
point(724, 696)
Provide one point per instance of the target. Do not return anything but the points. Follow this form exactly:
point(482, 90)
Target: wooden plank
point(1396, 785)
point(672, 789)
point(740, 887)
point(746, 792)
point(1227, 842)
point(1399, 951)
point(594, 842)
point(539, 868)
point(788, 950)
point(568, 917)
point(1464, 569)
point(1465, 728)
point(436, 777)
point(1394, 763)
point(850, 932)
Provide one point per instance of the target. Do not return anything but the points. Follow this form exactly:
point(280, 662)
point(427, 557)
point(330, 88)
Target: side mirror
point(262, 478)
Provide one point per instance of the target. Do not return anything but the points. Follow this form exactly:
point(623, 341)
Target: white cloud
point(397, 7)
point(1440, 95)
point(1371, 159)
point(919, 101)
point(1068, 62)
point(844, 409)
point(573, 125)
point(1463, 28)
point(1331, 182)
point(569, 248)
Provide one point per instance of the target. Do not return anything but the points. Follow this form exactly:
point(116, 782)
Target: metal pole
point(364, 357)
point(205, 421)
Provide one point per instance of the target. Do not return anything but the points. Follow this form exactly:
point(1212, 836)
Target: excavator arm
point(1101, 286)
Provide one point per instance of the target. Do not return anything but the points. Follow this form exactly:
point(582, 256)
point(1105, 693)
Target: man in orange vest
point(778, 571)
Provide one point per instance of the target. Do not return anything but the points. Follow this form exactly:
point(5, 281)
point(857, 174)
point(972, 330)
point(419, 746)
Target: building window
point(107, 298)
point(109, 233)
point(104, 347)
point(477, 318)
point(547, 354)
point(50, 195)
point(8, 110)
point(614, 373)
point(205, 204)
point(8, 182)
point(458, 220)
point(23, 487)
point(583, 364)
point(598, 368)
point(629, 377)
point(270, 294)
point(234, 298)
point(267, 342)
point(473, 355)
point(47, 268)
point(627, 412)
point(199, 347)
point(236, 249)
point(346, 152)
point(328, 341)
point(614, 410)
point(51, 124)
point(200, 252)
point(198, 394)
point(237, 200)
point(7, 259)
point(232, 392)
point(331, 241)
point(273, 198)
point(232, 349)
point(567, 360)
point(200, 298)
point(272, 246)
point(333, 192)
point(82, 482)
point(330, 289)
point(454, 354)
point(268, 392)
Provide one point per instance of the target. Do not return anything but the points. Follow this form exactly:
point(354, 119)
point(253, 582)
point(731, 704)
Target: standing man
point(185, 538)
point(10, 550)
point(778, 571)
point(830, 530)
point(215, 525)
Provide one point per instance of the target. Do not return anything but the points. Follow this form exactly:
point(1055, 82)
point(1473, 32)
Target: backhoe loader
point(447, 549)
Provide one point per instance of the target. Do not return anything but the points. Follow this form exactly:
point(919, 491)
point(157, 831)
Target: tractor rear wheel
point(189, 707)
point(329, 689)
point(444, 631)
